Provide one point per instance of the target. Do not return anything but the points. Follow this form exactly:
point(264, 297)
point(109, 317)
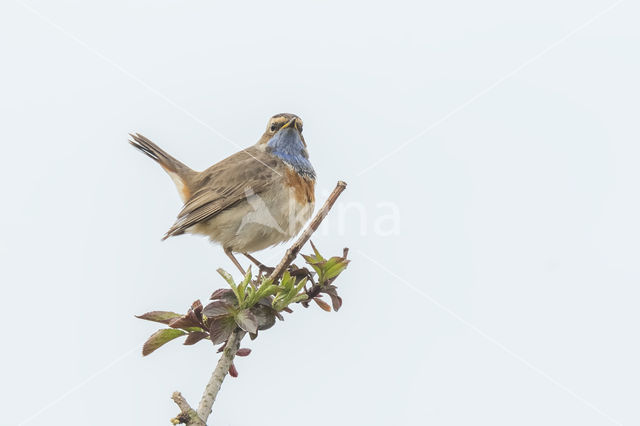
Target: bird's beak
point(293, 122)
point(289, 134)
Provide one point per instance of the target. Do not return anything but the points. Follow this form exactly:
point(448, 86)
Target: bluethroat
point(254, 199)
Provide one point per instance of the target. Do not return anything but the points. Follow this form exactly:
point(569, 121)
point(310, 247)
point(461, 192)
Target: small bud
point(233, 372)
point(323, 305)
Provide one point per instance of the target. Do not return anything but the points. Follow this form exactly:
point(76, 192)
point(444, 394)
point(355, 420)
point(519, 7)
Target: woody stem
point(293, 251)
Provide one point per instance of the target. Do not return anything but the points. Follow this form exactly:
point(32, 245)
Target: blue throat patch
point(287, 145)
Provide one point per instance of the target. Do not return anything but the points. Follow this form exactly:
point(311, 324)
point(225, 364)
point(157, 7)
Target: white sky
point(508, 294)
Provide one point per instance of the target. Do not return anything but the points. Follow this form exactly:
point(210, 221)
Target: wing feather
point(225, 184)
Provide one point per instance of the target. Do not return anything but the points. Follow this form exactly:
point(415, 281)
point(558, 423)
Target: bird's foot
point(266, 270)
point(262, 268)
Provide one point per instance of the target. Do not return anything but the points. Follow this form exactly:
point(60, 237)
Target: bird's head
point(289, 124)
point(283, 138)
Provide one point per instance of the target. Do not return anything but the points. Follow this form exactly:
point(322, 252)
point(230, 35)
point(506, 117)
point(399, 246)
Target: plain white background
point(507, 294)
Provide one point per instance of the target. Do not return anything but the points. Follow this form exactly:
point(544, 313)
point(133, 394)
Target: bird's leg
point(235, 261)
point(261, 266)
point(254, 260)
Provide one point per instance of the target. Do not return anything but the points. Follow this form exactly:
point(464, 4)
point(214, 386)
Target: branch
point(188, 415)
point(293, 251)
point(215, 382)
point(232, 345)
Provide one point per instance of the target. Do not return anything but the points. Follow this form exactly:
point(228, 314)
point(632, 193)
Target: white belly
point(258, 222)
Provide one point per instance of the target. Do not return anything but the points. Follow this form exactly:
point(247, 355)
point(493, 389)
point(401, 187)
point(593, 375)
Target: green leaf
point(159, 316)
point(301, 285)
point(299, 298)
point(159, 338)
point(333, 269)
point(310, 259)
point(314, 263)
point(229, 279)
point(266, 289)
point(290, 294)
point(247, 321)
point(286, 282)
point(243, 285)
point(315, 250)
point(276, 302)
point(318, 269)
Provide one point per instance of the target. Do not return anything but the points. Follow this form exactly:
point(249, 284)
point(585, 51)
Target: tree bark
point(220, 372)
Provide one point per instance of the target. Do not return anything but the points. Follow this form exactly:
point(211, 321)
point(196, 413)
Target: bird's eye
point(274, 126)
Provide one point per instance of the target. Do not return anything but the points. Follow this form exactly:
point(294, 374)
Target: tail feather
point(181, 174)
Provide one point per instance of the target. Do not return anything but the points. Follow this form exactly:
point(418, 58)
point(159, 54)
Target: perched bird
point(254, 199)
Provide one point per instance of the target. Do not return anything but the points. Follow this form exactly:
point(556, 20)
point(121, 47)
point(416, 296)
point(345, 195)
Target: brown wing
point(226, 183)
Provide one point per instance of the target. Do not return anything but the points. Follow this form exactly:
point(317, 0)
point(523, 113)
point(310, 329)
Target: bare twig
point(188, 415)
point(229, 353)
point(293, 251)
